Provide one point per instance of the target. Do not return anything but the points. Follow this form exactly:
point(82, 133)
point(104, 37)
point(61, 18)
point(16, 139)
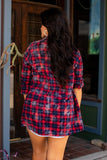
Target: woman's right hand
point(25, 96)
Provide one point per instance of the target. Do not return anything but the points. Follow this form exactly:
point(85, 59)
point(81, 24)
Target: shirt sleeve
point(78, 72)
point(26, 75)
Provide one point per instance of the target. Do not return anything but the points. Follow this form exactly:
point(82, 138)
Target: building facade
point(88, 23)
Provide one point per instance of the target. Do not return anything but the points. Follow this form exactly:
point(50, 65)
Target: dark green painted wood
point(91, 118)
point(105, 80)
point(103, 136)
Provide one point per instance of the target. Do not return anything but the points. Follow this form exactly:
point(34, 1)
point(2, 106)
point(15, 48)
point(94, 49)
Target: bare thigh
point(56, 148)
point(39, 145)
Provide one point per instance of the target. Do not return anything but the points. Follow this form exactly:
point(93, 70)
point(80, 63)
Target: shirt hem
point(54, 136)
point(46, 135)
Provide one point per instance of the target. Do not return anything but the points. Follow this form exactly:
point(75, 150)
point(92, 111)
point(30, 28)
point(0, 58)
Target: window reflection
point(86, 38)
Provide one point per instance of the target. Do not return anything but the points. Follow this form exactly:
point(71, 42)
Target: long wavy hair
point(59, 43)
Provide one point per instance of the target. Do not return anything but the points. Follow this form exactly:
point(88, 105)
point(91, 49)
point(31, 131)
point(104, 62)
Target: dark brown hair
point(59, 43)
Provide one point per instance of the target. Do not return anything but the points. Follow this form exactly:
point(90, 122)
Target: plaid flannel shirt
point(48, 108)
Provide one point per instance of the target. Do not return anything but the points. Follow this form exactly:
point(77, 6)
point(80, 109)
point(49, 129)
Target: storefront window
point(86, 38)
point(94, 29)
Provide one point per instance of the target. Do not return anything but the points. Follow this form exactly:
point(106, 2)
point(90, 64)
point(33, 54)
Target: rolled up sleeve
point(26, 74)
point(78, 72)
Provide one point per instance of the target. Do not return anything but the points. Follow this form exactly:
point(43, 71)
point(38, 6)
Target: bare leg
point(56, 148)
point(39, 145)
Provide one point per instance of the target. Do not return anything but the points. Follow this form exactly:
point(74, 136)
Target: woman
point(52, 86)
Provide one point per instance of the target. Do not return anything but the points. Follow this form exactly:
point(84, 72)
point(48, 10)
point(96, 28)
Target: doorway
point(25, 28)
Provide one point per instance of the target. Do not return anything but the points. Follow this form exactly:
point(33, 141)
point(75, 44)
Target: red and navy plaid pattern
point(49, 109)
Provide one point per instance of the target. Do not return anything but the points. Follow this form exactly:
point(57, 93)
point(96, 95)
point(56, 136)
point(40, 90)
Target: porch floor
point(76, 147)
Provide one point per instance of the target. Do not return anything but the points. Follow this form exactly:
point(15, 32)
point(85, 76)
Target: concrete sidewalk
point(102, 155)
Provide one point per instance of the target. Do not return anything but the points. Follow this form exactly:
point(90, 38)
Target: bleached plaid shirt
point(48, 109)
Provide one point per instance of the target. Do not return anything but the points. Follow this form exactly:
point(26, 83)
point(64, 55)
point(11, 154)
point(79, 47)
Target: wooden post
point(60, 3)
point(1, 74)
point(71, 16)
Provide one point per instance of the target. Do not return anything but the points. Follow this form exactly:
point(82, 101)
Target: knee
point(37, 151)
point(50, 158)
point(54, 157)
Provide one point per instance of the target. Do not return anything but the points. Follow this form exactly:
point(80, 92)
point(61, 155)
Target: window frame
point(98, 103)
